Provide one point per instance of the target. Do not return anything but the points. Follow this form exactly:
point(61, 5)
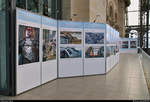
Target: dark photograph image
point(94, 52)
point(125, 44)
point(28, 45)
point(108, 50)
point(70, 52)
point(116, 48)
point(132, 44)
point(94, 38)
point(67, 37)
point(49, 45)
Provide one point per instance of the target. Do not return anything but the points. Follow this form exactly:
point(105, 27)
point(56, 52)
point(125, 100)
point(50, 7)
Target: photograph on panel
point(132, 44)
point(70, 52)
point(94, 52)
point(125, 44)
point(94, 38)
point(28, 44)
point(49, 45)
point(116, 48)
point(68, 37)
point(113, 52)
point(108, 51)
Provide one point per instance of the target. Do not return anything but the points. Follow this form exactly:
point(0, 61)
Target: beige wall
point(81, 10)
point(121, 19)
point(117, 19)
point(66, 9)
point(111, 12)
point(97, 10)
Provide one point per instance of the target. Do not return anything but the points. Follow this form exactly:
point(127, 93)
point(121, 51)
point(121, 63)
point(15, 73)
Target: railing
point(146, 66)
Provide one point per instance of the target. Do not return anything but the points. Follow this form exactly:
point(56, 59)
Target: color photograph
point(125, 44)
point(70, 52)
point(132, 44)
point(28, 45)
point(49, 45)
point(94, 38)
point(113, 52)
point(68, 37)
point(94, 52)
point(116, 48)
point(108, 50)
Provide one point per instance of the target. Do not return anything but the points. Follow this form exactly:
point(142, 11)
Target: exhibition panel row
point(112, 47)
point(48, 49)
point(128, 45)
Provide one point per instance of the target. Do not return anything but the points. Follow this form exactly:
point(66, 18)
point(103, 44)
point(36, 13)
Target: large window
point(133, 13)
point(21, 4)
point(3, 78)
point(47, 8)
point(33, 5)
point(43, 7)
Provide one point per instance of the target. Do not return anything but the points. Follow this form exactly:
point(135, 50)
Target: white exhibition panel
point(108, 43)
point(49, 66)
point(94, 66)
point(27, 75)
point(49, 71)
point(108, 64)
point(112, 37)
point(108, 34)
point(116, 59)
point(70, 67)
point(129, 49)
point(31, 31)
point(118, 55)
point(108, 58)
point(112, 61)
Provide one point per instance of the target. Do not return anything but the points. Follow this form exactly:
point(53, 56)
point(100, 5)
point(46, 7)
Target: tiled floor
point(125, 82)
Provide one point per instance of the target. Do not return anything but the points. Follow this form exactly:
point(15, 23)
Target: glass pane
point(21, 4)
point(33, 5)
point(133, 18)
point(134, 5)
point(47, 7)
point(3, 78)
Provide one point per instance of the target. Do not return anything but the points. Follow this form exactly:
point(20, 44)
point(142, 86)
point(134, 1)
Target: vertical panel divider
point(57, 48)
point(83, 46)
point(41, 51)
point(105, 35)
point(17, 28)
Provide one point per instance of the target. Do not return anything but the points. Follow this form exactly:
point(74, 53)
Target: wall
point(121, 19)
point(111, 12)
point(80, 10)
point(97, 7)
point(66, 9)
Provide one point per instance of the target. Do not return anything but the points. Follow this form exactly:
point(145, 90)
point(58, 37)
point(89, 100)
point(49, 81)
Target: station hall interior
point(74, 50)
